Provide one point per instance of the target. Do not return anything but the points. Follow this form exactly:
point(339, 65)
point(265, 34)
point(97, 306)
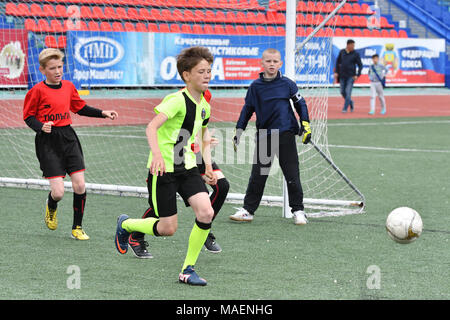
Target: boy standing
point(269, 97)
point(46, 111)
point(172, 163)
point(377, 76)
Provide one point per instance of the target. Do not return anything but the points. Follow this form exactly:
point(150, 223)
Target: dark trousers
point(346, 85)
point(285, 148)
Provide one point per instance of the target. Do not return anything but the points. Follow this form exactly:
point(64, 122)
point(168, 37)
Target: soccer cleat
point(50, 217)
point(300, 217)
point(139, 248)
point(372, 112)
point(383, 111)
point(242, 215)
point(121, 238)
point(190, 277)
point(79, 234)
point(211, 245)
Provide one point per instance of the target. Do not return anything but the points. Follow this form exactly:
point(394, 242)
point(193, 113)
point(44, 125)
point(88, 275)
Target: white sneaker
point(242, 215)
point(300, 217)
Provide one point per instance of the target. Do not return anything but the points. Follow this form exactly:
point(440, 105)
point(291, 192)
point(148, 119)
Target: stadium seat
point(300, 19)
point(164, 27)
point(197, 29)
point(301, 6)
point(186, 28)
point(357, 33)
point(11, 9)
point(348, 32)
point(250, 30)
point(141, 27)
point(56, 27)
point(271, 31)
point(261, 30)
point(229, 29)
point(301, 32)
point(62, 42)
point(43, 26)
point(86, 13)
point(144, 14)
point(241, 17)
point(105, 26)
point(231, 17)
point(30, 25)
point(133, 14)
point(218, 29)
point(111, 13)
point(129, 27)
point(240, 30)
point(385, 33)
point(23, 10)
point(189, 16)
point(50, 42)
point(273, 5)
point(393, 33)
point(367, 33)
point(208, 29)
point(78, 24)
point(49, 11)
point(261, 18)
point(175, 28)
point(199, 15)
point(36, 10)
point(153, 27)
point(376, 33)
point(220, 16)
point(280, 31)
point(338, 32)
point(98, 13)
point(402, 34)
point(121, 13)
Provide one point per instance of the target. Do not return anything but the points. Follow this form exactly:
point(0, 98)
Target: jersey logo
point(203, 114)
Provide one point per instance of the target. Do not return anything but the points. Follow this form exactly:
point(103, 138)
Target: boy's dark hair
point(375, 56)
point(190, 57)
point(350, 41)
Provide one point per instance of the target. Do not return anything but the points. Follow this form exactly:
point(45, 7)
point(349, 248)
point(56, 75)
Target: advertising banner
point(13, 57)
point(410, 61)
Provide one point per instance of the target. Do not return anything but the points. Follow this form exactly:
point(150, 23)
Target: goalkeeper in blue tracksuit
point(269, 97)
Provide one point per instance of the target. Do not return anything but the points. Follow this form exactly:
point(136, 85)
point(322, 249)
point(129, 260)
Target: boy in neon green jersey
point(172, 163)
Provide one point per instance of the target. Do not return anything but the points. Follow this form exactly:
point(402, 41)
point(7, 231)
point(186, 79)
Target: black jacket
point(346, 64)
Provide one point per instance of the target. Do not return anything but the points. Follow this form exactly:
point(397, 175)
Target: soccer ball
point(404, 225)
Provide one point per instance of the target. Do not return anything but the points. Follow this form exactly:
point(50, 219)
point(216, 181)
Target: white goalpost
point(235, 31)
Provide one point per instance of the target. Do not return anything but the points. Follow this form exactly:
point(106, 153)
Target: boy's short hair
point(48, 54)
point(271, 51)
point(375, 56)
point(350, 41)
point(190, 57)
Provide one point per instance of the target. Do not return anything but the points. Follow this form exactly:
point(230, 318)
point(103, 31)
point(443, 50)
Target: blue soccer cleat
point(190, 277)
point(121, 238)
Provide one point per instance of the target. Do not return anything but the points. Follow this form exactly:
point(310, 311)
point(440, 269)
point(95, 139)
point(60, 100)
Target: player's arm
point(157, 166)
point(89, 111)
point(302, 110)
point(30, 107)
point(206, 154)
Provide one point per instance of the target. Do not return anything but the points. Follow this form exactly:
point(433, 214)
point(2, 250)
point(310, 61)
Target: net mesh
point(134, 68)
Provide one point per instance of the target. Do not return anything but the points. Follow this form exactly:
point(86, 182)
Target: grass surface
point(396, 162)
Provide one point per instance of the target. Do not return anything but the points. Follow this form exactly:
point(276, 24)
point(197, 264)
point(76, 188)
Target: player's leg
point(194, 190)
point(373, 95)
point(380, 94)
point(137, 241)
point(55, 195)
point(79, 203)
point(262, 161)
point(288, 159)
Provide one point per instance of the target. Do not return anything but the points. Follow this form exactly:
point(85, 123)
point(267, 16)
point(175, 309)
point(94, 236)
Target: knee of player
point(206, 214)
point(78, 187)
point(57, 194)
point(167, 229)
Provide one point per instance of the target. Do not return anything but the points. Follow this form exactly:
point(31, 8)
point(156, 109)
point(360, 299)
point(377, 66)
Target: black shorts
point(162, 190)
point(59, 152)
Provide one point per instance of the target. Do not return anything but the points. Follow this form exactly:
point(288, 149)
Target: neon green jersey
point(185, 117)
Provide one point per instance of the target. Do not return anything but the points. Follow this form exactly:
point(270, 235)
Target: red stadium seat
point(141, 27)
point(393, 33)
point(23, 10)
point(30, 25)
point(376, 33)
point(231, 17)
point(11, 9)
point(36, 10)
point(220, 16)
point(175, 28)
point(301, 6)
point(210, 16)
point(241, 17)
point(402, 34)
point(164, 27)
point(218, 29)
point(338, 32)
point(153, 27)
point(301, 32)
point(273, 5)
point(251, 17)
point(43, 26)
point(98, 13)
point(197, 29)
point(261, 18)
point(280, 31)
point(300, 19)
point(260, 30)
point(105, 26)
point(229, 29)
point(357, 33)
point(62, 42)
point(111, 13)
point(145, 15)
point(250, 30)
point(199, 15)
point(385, 33)
point(86, 13)
point(186, 28)
point(240, 30)
point(189, 15)
point(93, 26)
point(49, 11)
point(133, 14)
point(348, 32)
point(61, 11)
point(129, 27)
point(50, 42)
point(271, 31)
point(121, 13)
point(56, 27)
point(208, 29)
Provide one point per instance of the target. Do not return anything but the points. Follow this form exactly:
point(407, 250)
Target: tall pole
point(289, 63)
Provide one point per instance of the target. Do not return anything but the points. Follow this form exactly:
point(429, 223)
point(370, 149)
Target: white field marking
point(393, 123)
point(388, 149)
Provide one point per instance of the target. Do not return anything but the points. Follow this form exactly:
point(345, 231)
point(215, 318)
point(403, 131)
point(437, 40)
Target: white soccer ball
point(404, 225)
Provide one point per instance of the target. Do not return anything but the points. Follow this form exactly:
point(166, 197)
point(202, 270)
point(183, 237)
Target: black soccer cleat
point(139, 248)
point(211, 245)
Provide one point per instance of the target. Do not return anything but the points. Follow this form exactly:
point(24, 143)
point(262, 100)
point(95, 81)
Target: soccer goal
point(121, 54)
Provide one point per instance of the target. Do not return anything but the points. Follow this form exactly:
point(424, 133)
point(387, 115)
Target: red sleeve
point(207, 95)
point(31, 103)
point(76, 103)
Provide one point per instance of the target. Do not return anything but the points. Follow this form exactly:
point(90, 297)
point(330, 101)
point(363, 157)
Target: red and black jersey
point(52, 103)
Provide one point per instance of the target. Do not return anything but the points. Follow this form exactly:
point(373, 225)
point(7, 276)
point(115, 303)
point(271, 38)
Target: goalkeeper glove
point(236, 138)
point(306, 130)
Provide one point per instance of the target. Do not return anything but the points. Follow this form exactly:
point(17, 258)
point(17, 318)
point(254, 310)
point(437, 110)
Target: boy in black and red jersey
point(46, 110)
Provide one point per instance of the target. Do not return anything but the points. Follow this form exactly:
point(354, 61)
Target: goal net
point(121, 55)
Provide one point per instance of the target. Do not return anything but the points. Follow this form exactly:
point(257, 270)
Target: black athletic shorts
point(162, 190)
point(59, 152)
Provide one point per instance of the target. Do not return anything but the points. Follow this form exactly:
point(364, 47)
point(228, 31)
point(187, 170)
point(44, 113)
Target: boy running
point(46, 110)
point(269, 97)
point(172, 163)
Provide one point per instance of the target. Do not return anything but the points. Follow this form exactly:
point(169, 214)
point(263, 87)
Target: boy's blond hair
point(48, 54)
point(271, 51)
